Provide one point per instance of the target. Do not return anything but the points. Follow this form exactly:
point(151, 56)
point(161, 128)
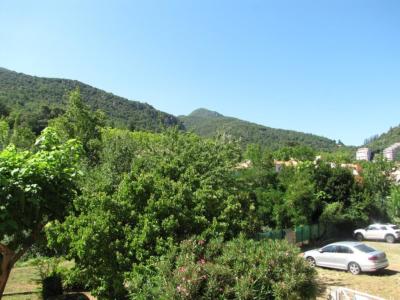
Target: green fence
point(300, 234)
point(309, 232)
point(278, 234)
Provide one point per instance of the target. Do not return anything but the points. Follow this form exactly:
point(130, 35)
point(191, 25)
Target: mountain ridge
point(26, 93)
point(209, 123)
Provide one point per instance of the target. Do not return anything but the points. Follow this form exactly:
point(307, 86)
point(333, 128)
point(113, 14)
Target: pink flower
point(201, 261)
point(201, 242)
point(182, 269)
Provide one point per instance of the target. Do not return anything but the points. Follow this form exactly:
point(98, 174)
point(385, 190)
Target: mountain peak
point(205, 113)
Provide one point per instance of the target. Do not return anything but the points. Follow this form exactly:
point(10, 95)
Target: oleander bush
point(239, 269)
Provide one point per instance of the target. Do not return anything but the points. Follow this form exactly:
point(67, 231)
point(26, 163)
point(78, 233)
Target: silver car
point(355, 257)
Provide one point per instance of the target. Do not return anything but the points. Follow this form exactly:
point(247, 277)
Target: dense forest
point(209, 124)
point(39, 99)
point(379, 142)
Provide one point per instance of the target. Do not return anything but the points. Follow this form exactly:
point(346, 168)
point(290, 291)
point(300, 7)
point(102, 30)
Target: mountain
point(29, 94)
point(209, 123)
point(379, 142)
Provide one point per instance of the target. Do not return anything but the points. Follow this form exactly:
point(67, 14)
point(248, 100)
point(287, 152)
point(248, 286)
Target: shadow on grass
point(20, 294)
point(71, 296)
point(326, 285)
point(383, 273)
point(74, 296)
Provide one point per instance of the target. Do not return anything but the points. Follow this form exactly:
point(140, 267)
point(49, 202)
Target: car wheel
point(389, 238)
point(311, 261)
point(354, 268)
point(359, 237)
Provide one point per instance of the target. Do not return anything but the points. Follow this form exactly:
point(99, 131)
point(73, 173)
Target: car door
point(343, 256)
point(382, 232)
point(372, 232)
point(327, 257)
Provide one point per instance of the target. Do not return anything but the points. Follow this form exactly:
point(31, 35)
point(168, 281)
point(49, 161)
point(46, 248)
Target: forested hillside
point(379, 142)
point(43, 98)
point(208, 123)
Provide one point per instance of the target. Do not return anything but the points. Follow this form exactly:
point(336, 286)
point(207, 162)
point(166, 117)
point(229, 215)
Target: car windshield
point(395, 227)
point(364, 248)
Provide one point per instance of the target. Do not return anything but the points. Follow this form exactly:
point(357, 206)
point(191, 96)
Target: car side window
point(383, 228)
point(344, 249)
point(372, 228)
point(329, 249)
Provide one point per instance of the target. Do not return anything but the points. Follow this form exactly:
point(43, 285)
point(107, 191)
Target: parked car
point(388, 232)
point(355, 257)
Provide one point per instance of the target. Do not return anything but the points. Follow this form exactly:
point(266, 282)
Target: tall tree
point(36, 188)
point(178, 185)
point(4, 133)
point(81, 123)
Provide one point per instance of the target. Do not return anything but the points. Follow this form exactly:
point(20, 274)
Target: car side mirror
point(320, 250)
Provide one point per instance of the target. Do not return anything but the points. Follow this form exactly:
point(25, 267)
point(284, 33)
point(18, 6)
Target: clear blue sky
point(330, 68)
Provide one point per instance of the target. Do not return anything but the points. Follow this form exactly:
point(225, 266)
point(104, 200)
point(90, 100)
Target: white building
point(363, 154)
point(390, 152)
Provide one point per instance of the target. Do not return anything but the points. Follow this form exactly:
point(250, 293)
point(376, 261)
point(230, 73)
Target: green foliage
point(4, 134)
point(81, 123)
point(178, 185)
point(4, 110)
point(376, 177)
point(393, 207)
point(341, 155)
point(36, 188)
point(209, 124)
point(301, 153)
point(379, 142)
point(22, 137)
point(41, 99)
point(239, 269)
point(298, 202)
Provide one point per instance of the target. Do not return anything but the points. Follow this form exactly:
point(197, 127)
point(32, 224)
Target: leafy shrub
point(239, 269)
point(52, 287)
point(50, 277)
point(73, 279)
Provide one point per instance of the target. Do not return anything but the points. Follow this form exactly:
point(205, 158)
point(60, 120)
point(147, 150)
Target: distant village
point(362, 154)
point(389, 153)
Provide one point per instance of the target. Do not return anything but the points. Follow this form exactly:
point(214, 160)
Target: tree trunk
point(9, 258)
point(6, 266)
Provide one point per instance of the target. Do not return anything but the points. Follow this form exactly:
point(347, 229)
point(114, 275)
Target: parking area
point(385, 283)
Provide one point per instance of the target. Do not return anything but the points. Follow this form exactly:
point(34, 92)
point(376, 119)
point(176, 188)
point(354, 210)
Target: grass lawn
point(24, 282)
point(385, 284)
point(23, 279)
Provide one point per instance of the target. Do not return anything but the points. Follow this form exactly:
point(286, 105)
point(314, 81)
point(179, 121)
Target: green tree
point(261, 182)
point(178, 185)
point(394, 204)
point(302, 153)
point(22, 136)
point(80, 122)
point(4, 133)
point(376, 186)
point(4, 110)
point(36, 188)
point(299, 199)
